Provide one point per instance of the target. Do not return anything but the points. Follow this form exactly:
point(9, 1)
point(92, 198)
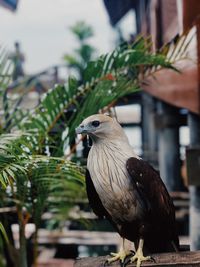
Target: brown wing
point(95, 201)
point(93, 197)
point(161, 210)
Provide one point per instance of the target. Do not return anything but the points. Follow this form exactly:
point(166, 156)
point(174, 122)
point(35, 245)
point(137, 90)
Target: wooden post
point(149, 133)
point(194, 125)
point(181, 259)
point(168, 145)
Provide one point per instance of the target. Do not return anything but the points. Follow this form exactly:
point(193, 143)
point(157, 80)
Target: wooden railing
point(181, 259)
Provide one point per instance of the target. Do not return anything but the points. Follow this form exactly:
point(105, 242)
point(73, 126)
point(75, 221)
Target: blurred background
point(44, 43)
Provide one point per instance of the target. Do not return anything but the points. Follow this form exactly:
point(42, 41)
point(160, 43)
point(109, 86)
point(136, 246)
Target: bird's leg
point(139, 256)
point(121, 255)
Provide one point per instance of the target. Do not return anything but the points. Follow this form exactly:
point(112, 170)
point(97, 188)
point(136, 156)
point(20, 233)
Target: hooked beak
point(81, 129)
point(84, 129)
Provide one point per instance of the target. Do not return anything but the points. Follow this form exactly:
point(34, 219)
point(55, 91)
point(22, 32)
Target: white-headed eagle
point(127, 191)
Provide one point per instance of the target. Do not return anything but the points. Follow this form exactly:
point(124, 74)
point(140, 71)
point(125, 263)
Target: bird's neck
point(115, 138)
point(113, 147)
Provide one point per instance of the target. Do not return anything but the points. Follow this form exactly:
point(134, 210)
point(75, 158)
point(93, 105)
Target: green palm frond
point(107, 79)
point(3, 232)
point(17, 144)
point(15, 118)
point(37, 181)
point(56, 181)
point(10, 169)
point(5, 76)
point(12, 114)
point(5, 69)
point(82, 31)
point(177, 48)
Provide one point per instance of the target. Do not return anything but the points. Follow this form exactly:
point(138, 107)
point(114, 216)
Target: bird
point(128, 191)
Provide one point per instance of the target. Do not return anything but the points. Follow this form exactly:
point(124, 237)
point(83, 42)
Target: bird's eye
point(95, 123)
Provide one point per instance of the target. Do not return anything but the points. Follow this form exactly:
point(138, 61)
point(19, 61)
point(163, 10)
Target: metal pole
point(149, 132)
point(194, 125)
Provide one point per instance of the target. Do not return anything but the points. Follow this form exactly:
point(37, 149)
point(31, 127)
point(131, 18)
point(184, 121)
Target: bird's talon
point(121, 256)
point(152, 259)
point(113, 254)
point(139, 258)
point(106, 263)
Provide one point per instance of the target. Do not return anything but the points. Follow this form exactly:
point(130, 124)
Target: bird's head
point(100, 127)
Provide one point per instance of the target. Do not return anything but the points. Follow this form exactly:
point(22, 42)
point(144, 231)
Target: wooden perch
point(181, 259)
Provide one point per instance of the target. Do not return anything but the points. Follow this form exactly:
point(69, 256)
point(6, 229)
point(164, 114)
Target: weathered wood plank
point(78, 237)
point(180, 90)
point(181, 259)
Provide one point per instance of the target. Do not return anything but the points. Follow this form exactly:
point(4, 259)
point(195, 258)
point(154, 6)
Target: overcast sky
point(42, 28)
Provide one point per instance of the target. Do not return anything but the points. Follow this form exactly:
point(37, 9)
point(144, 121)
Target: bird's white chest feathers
point(107, 167)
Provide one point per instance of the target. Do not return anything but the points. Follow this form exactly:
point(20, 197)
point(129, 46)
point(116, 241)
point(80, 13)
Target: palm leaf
point(2, 230)
point(105, 80)
point(51, 178)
